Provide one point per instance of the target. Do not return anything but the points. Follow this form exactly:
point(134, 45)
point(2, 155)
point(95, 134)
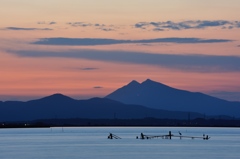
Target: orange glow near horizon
point(29, 76)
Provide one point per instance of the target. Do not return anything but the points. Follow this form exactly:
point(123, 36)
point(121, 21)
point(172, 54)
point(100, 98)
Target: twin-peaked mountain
point(159, 96)
point(133, 101)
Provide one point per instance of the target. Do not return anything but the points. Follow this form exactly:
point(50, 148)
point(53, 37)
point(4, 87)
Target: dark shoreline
point(146, 122)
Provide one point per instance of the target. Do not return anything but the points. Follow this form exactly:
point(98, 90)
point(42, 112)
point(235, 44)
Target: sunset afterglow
point(87, 49)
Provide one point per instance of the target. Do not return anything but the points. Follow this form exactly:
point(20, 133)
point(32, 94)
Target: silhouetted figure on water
point(205, 138)
point(141, 136)
point(110, 136)
point(180, 134)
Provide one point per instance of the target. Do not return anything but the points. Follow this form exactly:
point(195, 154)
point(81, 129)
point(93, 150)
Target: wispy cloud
point(88, 68)
point(81, 68)
point(98, 41)
point(193, 63)
point(102, 27)
point(26, 29)
point(190, 24)
point(106, 29)
point(47, 23)
point(97, 87)
point(79, 24)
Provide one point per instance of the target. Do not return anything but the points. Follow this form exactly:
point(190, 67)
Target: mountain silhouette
point(133, 101)
point(58, 106)
point(159, 96)
point(57, 97)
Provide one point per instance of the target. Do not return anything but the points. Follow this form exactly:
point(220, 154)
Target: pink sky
point(190, 45)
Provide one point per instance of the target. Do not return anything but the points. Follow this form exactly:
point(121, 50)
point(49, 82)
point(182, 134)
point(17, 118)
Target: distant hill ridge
point(133, 101)
point(159, 96)
point(59, 106)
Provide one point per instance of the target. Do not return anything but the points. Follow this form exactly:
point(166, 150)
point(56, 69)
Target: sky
point(87, 49)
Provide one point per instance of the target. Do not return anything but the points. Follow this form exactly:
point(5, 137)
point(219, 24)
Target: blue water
point(92, 143)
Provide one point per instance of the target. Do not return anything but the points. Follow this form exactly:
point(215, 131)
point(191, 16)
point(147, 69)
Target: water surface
point(77, 143)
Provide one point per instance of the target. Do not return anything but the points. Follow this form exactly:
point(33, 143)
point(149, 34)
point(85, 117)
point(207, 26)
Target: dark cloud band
point(96, 41)
point(193, 63)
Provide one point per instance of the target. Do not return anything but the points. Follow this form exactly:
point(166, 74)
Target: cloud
point(190, 24)
point(97, 87)
point(47, 23)
point(102, 27)
point(106, 29)
point(88, 68)
point(51, 23)
point(26, 29)
point(79, 24)
point(98, 41)
point(143, 44)
point(141, 25)
point(192, 63)
point(81, 68)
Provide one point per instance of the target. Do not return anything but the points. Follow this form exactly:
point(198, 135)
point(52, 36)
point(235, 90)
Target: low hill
point(58, 106)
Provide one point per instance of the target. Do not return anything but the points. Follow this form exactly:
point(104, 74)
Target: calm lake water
point(92, 143)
